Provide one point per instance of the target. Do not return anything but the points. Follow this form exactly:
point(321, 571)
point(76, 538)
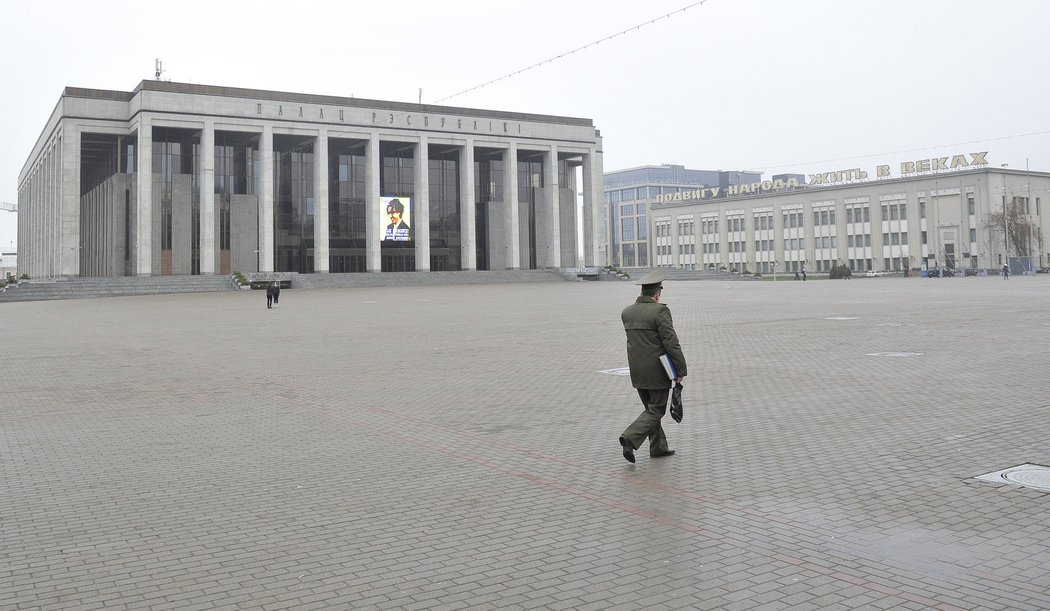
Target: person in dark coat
point(276, 293)
point(1006, 272)
point(650, 335)
point(269, 296)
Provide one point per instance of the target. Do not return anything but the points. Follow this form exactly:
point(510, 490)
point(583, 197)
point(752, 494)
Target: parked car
point(874, 273)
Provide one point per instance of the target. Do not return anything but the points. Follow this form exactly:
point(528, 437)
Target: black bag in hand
point(676, 402)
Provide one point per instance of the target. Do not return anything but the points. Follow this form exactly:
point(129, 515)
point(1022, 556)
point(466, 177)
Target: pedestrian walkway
point(456, 447)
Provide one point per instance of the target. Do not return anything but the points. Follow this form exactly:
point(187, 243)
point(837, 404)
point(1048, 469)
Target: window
point(628, 229)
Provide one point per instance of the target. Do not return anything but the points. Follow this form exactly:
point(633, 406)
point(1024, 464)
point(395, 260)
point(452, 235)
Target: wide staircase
point(86, 288)
point(690, 274)
point(361, 280)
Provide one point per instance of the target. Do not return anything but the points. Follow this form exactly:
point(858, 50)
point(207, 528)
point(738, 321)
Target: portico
point(174, 178)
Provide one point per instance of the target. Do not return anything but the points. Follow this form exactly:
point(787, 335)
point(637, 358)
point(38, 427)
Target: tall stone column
point(421, 206)
point(321, 233)
point(512, 244)
point(144, 199)
point(208, 252)
point(373, 250)
point(266, 200)
point(467, 209)
point(552, 211)
point(594, 247)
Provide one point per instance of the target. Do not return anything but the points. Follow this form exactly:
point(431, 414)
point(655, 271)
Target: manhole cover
point(1036, 477)
point(622, 371)
point(900, 355)
point(841, 318)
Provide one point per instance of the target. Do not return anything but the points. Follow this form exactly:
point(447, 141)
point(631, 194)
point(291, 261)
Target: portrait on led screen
point(398, 212)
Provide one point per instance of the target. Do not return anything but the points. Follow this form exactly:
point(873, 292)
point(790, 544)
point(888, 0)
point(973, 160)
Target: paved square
point(455, 447)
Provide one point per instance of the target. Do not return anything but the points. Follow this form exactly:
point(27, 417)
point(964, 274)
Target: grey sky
point(771, 85)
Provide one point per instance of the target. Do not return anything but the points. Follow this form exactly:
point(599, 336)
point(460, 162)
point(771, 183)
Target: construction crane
point(9, 206)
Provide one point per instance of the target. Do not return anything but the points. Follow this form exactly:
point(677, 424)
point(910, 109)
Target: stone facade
point(277, 160)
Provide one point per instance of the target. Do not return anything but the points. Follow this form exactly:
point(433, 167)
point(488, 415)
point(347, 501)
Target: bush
point(840, 271)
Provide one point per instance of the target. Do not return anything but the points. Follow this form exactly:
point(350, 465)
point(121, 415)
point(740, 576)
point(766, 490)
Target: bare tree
point(1023, 232)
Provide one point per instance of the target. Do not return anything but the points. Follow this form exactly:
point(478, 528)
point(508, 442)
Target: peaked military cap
point(657, 276)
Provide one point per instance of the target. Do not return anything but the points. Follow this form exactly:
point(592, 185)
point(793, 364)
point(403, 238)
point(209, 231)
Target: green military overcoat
point(650, 333)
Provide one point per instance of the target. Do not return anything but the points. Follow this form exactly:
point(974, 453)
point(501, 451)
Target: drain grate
point(622, 371)
point(899, 355)
point(1036, 477)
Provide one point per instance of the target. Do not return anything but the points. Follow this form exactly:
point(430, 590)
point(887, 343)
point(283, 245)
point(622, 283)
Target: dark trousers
point(647, 424)
point(269, 301)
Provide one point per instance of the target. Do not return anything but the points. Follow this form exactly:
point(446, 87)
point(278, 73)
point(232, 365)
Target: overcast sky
point(769, 85)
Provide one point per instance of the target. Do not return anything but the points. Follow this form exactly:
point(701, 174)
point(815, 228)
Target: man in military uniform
point(650, 334)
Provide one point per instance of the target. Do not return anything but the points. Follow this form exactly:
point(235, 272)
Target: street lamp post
point(1006, 222)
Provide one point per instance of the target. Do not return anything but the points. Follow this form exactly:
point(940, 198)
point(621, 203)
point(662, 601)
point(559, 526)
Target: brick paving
point(455, 447)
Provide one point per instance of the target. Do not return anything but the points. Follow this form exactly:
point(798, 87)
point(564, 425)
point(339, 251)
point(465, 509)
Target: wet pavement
point(456, 447)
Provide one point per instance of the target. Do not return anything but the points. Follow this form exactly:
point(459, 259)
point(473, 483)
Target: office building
point(942, 212)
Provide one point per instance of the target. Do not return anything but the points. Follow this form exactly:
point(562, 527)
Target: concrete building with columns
point(944, 212)
point(178, 179)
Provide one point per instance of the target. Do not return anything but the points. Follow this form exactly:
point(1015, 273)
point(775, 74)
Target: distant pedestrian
point(1006, 272)
point(269, 296)
point(276, 293)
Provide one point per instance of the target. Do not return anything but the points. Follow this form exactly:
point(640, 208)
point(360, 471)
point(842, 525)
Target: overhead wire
point(567, 53)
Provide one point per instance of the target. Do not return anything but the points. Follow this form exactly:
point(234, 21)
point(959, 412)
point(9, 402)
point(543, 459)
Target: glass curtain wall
point(488, 190)
point(445, 236)
point(293, 208)
point(397, 179)
point(234, 167)
point(347, 170)
point(530, 181)
point(176, 162)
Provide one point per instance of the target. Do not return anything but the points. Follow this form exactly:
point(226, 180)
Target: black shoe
point(628, 451)
point(663, 454)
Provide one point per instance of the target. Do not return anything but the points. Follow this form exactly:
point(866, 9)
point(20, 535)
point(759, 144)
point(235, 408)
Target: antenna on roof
point(158, 67)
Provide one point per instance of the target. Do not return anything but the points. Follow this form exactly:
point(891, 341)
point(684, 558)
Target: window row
point(683, 249)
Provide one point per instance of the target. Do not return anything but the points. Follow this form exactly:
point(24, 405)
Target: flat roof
point(309, 98)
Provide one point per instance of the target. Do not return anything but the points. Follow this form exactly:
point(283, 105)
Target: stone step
point(84, 288)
